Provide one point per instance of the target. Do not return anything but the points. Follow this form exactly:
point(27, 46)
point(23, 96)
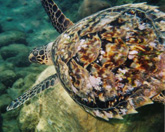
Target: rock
point(1, 30)
point(2, 88)
point(10, 37)
point(30, 123)
point(55, 110)
point(8, 77)
point(1, 120)
point(16, 89)
point(122, 2)
point(29, 80)
point(4, 101)
point(16, 54)
point(9, 19)
point(0, 58)
point(89, 7)
point(10, 123)
point(5, 66)
point(162, 8)
point(13, 50)
point(21, 85)
point(21, 60)
point(12, 115)
point(23, 72)
point(12, 126)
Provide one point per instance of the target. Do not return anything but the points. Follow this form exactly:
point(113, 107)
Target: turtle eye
point(35, 52)
point(41, 52)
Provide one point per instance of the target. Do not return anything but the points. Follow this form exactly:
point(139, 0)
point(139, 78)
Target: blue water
point(25, 25)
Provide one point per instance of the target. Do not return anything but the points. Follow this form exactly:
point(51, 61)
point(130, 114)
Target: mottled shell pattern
point(112, 62)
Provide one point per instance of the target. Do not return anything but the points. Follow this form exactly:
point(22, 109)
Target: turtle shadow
point(150, 118)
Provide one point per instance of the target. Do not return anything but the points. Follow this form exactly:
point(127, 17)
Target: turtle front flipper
point(47, 83)
point(58, 19)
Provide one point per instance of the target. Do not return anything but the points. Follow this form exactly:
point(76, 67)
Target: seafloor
point(25, 25)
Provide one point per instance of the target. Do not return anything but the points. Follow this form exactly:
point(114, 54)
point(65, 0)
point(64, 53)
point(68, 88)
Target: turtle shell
point(111, 62)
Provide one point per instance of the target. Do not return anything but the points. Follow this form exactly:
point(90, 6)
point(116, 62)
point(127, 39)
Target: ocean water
point(24, 25)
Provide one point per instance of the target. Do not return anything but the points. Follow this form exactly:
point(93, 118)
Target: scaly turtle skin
point(110, 63)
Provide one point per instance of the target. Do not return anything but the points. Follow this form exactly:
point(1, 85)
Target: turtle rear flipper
point(159, 98)
point(58, 19)
point(47, 83)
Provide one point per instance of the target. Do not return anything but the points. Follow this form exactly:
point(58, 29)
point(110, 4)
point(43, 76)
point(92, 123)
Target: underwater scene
point(103, 69)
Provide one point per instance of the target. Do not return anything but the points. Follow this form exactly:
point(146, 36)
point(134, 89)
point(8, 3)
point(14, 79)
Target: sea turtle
point(110, 63)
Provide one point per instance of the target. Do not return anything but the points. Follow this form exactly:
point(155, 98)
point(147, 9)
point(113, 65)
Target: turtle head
point(41, 55)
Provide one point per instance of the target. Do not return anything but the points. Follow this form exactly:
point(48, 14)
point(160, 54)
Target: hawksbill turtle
point(110, 63)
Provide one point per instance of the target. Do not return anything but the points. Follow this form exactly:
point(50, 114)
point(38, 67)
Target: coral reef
point(89, 7)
